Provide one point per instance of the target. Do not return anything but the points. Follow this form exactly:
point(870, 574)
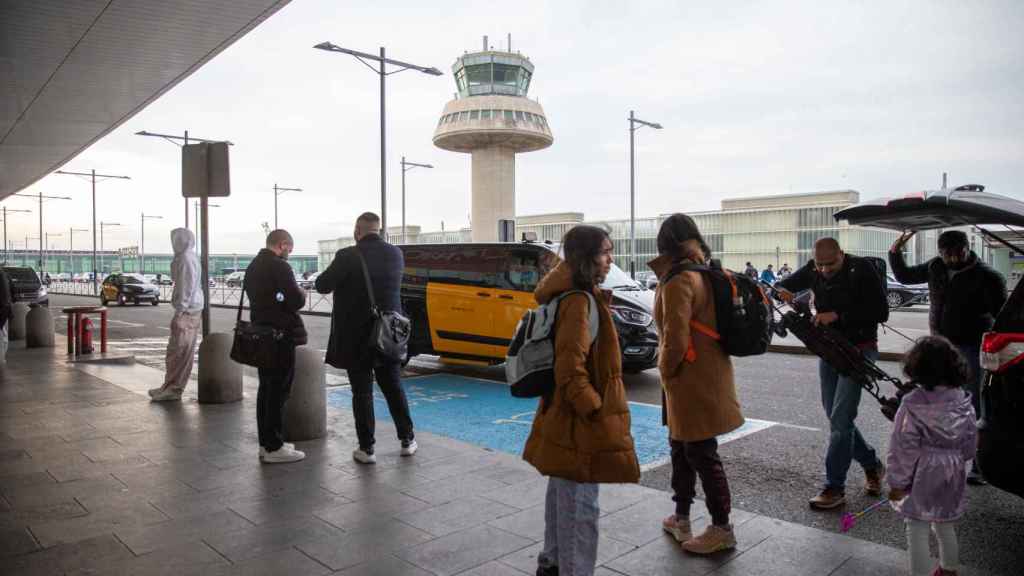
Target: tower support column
point(494, 190)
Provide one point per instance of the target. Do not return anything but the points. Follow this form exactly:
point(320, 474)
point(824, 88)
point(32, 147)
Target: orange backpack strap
point(691, 353)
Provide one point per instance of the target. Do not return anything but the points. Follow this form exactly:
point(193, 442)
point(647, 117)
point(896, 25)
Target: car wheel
point(155, 302)
point(121, 300)
point(895, 299)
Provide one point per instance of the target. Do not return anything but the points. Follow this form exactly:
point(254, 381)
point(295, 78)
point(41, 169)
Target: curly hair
point(581, 246)
point(934, 361)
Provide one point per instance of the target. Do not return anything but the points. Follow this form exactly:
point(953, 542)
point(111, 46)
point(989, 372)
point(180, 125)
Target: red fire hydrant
point(86, 344)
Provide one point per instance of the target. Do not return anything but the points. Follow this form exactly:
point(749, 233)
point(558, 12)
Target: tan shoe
point(714, 539)
point(678, 527)
point(874, 480)
point(828, 499)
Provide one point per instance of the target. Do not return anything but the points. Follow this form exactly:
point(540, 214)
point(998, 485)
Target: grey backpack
point(530, 362)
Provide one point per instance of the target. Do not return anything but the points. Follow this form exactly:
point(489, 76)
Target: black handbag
point(389, 336)
point(255, 345)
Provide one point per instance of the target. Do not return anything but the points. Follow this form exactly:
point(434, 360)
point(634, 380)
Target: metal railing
point(221, 295)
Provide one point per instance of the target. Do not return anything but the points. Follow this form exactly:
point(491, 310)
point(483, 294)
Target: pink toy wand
point(850, 518)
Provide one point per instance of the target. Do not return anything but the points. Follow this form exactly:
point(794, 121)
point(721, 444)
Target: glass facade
point(510, 118)
point(492, 73)
point(107, 262)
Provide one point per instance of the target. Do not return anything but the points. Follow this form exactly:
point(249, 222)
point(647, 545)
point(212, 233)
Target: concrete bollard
point(39, 328)
point(220, 377)
point(305, 413)
point(16, 329)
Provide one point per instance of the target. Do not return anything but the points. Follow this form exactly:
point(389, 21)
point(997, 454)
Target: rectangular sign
point(205, 170)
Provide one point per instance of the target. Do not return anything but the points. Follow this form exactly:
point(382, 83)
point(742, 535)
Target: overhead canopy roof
point(73, 70)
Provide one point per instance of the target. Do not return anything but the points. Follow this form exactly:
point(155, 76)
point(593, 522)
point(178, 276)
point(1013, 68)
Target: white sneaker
point(364, 457)
point(409, 448)
point(282, 455)
point(288, 445)
point(161, 395)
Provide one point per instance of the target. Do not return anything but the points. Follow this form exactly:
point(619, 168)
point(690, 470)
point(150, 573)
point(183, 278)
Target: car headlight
point(42, 291)
point(632, 316)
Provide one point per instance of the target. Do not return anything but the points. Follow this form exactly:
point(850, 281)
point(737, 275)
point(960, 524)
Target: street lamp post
point(46, 243)
point(71, 247)
point(633, 121)
point(93, 175)
point(102, 226)
point(406, 166)
point(24, 255)
point(6, 247)
point(41, 235)
point(277, 192)
point(195, 204)
point(142, 240)
point(382, 72)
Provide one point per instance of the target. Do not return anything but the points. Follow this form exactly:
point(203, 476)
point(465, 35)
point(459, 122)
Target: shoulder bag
point(255, 344)
point(389, 336)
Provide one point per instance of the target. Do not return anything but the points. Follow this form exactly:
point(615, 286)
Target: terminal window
point(474, 114)
point(508, 115)
point(485, 114)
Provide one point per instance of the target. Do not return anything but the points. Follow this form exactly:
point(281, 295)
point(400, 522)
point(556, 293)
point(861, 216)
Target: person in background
point(6, 313)
point(768, 275)
point(275, 300)
point(751, 271)
point(934, 435)
point(699, 393)
point(785, 270)
point(964, 294)
point(352, 320)
point(849, 297)
point(580, 436)
point(187, 301)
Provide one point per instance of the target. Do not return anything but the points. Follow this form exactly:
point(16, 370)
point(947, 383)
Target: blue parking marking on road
point(484, 413)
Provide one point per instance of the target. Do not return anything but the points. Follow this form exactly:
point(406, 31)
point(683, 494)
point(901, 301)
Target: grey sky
point(755, 97)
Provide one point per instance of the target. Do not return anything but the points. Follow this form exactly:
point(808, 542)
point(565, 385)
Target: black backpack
point(742, 311)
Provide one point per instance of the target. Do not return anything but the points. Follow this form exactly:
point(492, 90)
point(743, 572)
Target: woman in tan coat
point(580, 436)
point(697, 380)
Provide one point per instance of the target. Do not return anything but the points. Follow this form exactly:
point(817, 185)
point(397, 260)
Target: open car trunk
point(1001, 429)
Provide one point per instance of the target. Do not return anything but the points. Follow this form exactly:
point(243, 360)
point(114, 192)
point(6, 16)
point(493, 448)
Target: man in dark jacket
point(275, 300)
point(849, 297)
point(6, 313)
point(351, 321)
point(965, 295)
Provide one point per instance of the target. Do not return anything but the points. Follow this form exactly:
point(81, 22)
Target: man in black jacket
point(849, 297)
point(965, 296)
point(275, 300)
point(351, 321)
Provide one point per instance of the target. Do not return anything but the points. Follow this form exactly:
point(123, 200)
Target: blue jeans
point(570, 527)
point(840, 396)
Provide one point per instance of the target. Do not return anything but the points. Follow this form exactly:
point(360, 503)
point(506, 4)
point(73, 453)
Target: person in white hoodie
point(187, 300)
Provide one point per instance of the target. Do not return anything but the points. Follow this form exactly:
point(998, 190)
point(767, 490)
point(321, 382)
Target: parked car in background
point(83, 277)
point(307, 282)
point(26, 286)
point(124, 288)
point(234, 280)
point(900, 294)
point(61, 277)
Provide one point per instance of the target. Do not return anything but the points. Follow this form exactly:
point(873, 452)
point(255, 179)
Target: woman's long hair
point(581, 246)
point(675, 230)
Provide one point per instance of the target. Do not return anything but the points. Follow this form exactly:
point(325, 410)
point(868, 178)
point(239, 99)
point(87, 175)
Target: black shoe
point(549, 571)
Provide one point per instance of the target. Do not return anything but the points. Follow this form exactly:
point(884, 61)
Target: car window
point(129, 279)
point(110, 279)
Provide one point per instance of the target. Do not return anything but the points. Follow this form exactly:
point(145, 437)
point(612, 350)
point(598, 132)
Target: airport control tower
point(492, 119)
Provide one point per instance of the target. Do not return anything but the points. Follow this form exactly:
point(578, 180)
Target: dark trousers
point(275, 386)
point(389, 378)
point(692, 459)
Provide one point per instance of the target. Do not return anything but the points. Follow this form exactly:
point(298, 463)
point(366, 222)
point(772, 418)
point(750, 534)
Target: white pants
point(921, 563)
point(3, 343)
point(570, 528)
point(181, 347)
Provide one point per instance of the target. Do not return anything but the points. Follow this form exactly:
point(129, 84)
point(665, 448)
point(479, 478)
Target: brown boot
point(713, 539)
point(828, 499)
point(874, 477)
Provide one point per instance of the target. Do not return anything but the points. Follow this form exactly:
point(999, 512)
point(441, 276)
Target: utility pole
point(195, 204)
point(71, 247)
point(277, 192)
point(102, 226)
point(41, 235)
point(406, 166)
point(47, 235)
point(142, 241)
point(93, 176)
point(6, 246)
point(633, 121)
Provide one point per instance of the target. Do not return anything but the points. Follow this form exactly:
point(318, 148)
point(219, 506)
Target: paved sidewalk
point(95, 479)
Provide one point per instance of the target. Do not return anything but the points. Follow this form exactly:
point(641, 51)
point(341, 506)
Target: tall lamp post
point(41, 197)
point(102, 226)
point(633, 127)
point(46, 243)
point(382, 62)
point(406, 166)
point(71, 247)
point(93, 176)
point(6, 247)
point(24, 257)
point(277, 192)
point(142, 240)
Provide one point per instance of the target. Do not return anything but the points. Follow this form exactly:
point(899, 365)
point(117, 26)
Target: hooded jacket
point(188, 289)
point(964, 302)
point(581, 433)
point(933, 436)
point(700, 392)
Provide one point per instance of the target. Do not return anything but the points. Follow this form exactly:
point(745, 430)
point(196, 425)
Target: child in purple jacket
point(933, 439)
